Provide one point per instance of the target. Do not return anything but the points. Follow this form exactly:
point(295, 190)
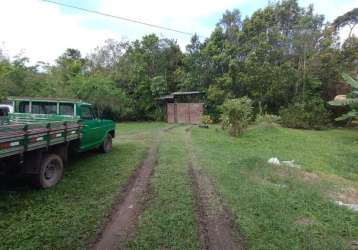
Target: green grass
point(268, 213)
point(168, 222)
point(267, 202)
point(132, 128)
point(68, 215)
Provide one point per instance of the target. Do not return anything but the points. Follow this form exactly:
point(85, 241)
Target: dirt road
point(216, 227)
point(125, 215)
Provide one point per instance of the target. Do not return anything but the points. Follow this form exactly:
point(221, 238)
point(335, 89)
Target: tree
point(350, 18)
point(102, 92)
point(349, 55)
point(106, 57)
point(280, 56)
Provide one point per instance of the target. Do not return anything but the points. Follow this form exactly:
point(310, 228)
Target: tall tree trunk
point(351, 30)
point(304, 75)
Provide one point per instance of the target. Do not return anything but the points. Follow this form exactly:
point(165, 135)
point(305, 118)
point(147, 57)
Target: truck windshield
point(87, 113)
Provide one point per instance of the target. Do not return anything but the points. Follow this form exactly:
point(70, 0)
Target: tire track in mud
point(217, 230)
point(122, 223)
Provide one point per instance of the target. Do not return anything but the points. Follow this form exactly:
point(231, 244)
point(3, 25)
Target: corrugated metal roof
point(166, 97)
point(187, 93)
point(172, 95)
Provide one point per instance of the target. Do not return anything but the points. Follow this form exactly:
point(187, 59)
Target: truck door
point(90, 134)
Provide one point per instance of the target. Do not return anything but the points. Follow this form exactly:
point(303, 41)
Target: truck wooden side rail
point(19, 138)
point(37, 145)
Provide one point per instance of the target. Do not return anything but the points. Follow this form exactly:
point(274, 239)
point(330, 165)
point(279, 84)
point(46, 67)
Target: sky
point(42, 31)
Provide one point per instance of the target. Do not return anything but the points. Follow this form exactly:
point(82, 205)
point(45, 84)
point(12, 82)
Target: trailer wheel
point(106, 144)
point(51, 171)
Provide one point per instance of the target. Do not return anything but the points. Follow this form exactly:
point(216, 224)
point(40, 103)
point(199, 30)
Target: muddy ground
point(217, 230)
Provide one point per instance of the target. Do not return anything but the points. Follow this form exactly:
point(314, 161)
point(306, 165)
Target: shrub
point(311, 115)
point(206, 120)
point(236, 115)
point(267, 118)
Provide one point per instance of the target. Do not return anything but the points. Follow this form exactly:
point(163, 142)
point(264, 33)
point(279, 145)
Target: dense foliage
point(312, 114)
point(267, 119)
point(350, 100)
point(279, 57)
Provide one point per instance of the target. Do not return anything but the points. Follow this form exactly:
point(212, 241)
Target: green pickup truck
point(37, 138)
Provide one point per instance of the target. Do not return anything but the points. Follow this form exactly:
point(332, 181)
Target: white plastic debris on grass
point(353, 207)
point(280, 185)
point(291, 164)
point(275, 161)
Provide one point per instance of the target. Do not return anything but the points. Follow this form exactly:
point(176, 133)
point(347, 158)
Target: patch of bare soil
point(304, 221)
point(216, 227)
point(353, 245)
point(171, 127)
point(347, 195)
point(309, 177)
point(123, 221)
point(140, 135)
point(299, 173)
point(217, 230)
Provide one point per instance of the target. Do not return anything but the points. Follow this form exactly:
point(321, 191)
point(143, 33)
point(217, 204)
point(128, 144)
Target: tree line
point(282, 55)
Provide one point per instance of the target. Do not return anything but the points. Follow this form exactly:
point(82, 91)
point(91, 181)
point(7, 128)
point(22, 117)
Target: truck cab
point(95, 132)
point(5, 110)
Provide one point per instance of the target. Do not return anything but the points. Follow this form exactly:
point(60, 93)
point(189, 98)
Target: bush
point(267, 118)
point(236, 115)
point(206, 120)
point(311, 115)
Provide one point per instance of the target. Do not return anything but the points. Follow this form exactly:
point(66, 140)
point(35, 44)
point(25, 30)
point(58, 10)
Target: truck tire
point(106, 144)
point(51, 171)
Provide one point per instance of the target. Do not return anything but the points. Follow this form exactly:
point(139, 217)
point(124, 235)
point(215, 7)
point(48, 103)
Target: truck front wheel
point(107, 144)
point(51, 171)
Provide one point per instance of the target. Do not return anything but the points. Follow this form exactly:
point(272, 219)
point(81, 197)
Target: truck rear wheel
point(106, 144)
point(51, 171)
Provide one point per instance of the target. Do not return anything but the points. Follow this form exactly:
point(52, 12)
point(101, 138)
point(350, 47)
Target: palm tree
point(350, 100)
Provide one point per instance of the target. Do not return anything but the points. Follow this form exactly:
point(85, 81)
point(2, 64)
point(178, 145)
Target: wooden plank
point(17, 139)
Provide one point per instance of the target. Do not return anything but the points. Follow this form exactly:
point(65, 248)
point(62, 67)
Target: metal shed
point(184, 107)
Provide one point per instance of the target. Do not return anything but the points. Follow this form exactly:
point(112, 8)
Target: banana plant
point(351, 100)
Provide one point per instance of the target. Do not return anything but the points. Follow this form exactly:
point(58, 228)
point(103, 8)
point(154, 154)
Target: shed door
point(183, 113)
point(186, 113)
point(195, 112)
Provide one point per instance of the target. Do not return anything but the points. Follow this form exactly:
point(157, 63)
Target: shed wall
point(187, 113)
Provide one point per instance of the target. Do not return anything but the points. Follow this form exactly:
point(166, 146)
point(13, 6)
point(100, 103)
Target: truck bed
point(25, 132)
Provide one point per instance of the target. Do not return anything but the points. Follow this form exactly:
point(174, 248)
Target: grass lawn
point(276, 207)
point(281, 207)
point(68, 215)
point(168, 222)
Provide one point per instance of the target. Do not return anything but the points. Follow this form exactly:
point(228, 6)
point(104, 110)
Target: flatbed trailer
point(38, 136)
point(20, 135)
point(37, 145)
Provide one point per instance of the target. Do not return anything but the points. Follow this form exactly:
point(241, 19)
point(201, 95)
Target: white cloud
point(332, 9)
point(184, 15)
point(42, 32)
